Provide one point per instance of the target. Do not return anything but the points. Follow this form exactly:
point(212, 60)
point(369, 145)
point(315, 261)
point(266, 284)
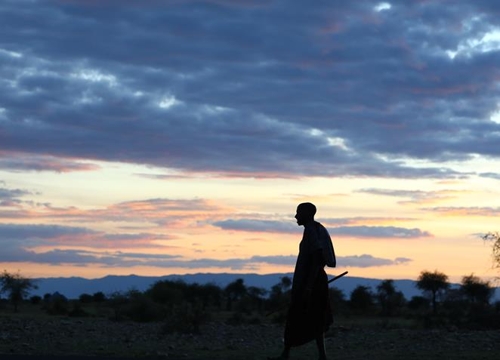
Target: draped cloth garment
point(306, 324)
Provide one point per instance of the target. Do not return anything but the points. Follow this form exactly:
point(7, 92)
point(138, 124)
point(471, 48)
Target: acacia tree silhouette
point(17, 287)
point(389, 298)
point(433, 282)
point(477, 290)
point(494, 237)
point(234, 291)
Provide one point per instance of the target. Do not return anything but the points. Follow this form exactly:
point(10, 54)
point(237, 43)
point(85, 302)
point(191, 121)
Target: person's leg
point(320, 343)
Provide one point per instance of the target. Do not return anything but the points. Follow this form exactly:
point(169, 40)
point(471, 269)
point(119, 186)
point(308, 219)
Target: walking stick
point(329, 281)
point(338, 276)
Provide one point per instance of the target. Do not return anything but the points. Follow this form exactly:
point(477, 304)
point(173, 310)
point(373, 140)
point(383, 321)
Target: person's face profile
point(300, 216)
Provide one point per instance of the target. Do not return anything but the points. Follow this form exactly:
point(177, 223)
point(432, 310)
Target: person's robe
point(304, 323)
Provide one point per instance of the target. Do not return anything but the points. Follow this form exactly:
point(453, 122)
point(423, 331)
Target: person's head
point(305, 213)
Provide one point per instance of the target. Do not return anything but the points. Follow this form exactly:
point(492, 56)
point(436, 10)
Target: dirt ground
point(104, 338)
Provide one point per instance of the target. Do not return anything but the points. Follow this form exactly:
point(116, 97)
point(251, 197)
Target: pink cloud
point(26, 162)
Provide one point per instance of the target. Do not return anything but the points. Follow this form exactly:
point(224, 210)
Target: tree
point(418, 303)
point(476, 290)
point(85, 298)
point(389, 299)
point(433, 283)
point(257, 295)
point(279, 296)
point(16, 286)
point(495, 238)
point(337, 300)
point(234, 291)
point(361, 299)
point(285, 283)
point(167, 292)
point(99, 297)
point(209, 294)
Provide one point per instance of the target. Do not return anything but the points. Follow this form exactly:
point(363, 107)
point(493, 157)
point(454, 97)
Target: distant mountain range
point(73, 287)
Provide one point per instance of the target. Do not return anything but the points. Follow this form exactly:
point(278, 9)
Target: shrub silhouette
point(390, 300)
point(337, 301)
point(99, 297)
point(362, 300)
point(77, 310)
point(185, 318)
point(167, 292)
point(142, 308)
point(86, 298)
point(35, 300)
point(55, 304)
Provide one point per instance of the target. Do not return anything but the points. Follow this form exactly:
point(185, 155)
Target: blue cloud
point(245, 88)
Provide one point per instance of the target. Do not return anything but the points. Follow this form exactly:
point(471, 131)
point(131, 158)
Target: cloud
point(245, 88)
point(273, 226)
point(384, 232)
point(465, 211)
point(222, 89)
point(414, 196)
point(157, 211)
point(82, 258)
point(490, 175)
point(123, 259)
point(11, 197)
point(23, 162)
point(34, 231)
point(255, 225)
point(363, 220)
point(20, 244)
point(364, 261)
point(31, 236)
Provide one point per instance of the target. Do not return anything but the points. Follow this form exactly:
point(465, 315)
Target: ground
point(217, 340)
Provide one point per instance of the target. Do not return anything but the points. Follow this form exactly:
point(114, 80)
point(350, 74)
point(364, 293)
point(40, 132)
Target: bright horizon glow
point(192, 235)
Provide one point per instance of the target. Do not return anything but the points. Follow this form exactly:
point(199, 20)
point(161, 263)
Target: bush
point(185, 318)
point(99, 297)
point(3, 303)
point(167, 292)
point(143, 309)
point(56, 304)
point(135, 306)
point(117, 301)
point(77, 310)
point(35, 300)
point(86, 298)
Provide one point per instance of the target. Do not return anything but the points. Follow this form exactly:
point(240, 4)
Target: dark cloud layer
point(249, 87)
point(370, 261)
point(26, 243)
point(255, 225)
point(124, 259)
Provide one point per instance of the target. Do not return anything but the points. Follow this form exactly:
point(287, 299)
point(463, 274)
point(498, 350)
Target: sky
point(178, 136)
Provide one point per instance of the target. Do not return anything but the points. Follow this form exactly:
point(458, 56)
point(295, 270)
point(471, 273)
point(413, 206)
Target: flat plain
point(23, 334)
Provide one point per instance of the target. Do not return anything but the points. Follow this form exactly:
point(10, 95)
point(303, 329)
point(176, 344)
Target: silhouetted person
point(309, 314)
